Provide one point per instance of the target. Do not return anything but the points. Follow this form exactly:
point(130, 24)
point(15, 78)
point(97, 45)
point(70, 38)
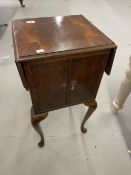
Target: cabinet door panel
point(85, 76)
point(48, 84)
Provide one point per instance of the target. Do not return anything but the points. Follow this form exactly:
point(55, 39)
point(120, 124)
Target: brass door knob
point(63, 87)
point(73, 85)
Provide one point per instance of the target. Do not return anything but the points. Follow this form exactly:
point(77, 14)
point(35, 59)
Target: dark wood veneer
point(70, 69)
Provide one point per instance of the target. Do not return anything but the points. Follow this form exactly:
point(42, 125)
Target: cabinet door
point(85, 76)
point(48, 84)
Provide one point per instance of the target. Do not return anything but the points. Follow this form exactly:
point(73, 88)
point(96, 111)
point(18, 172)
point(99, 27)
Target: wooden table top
point(55, 34)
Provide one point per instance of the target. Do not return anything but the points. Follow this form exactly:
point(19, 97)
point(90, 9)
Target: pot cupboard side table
point(61, 61)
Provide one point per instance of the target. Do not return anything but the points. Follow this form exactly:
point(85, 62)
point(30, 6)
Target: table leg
point(124, 91)
point(92, 107)
point(21, 2)
point(35, 120)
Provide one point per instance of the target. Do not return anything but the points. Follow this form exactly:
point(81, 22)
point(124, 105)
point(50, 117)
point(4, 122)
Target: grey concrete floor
point(104, 149)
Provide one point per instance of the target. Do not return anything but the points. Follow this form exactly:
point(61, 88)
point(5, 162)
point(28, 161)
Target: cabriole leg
point(92, 107)
point(35, 120)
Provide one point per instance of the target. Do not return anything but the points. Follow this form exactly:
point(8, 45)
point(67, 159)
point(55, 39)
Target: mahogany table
point(61, 61)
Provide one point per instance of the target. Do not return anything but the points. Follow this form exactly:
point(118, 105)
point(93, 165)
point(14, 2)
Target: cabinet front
point(48, 84)
point(85, 76)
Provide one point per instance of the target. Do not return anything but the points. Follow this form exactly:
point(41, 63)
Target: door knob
point(63, 87)
point(72, 85)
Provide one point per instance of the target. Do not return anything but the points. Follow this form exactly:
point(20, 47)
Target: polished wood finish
point(52, 85)
point(35, 120)
point(92, 107)
point(86, 81)
point(61, 61)
point(55, 35)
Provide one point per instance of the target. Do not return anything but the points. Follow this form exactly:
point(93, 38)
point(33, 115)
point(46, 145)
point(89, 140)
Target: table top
point(58, 34)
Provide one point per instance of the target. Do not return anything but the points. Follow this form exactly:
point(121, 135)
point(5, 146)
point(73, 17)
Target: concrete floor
point(104, 149)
